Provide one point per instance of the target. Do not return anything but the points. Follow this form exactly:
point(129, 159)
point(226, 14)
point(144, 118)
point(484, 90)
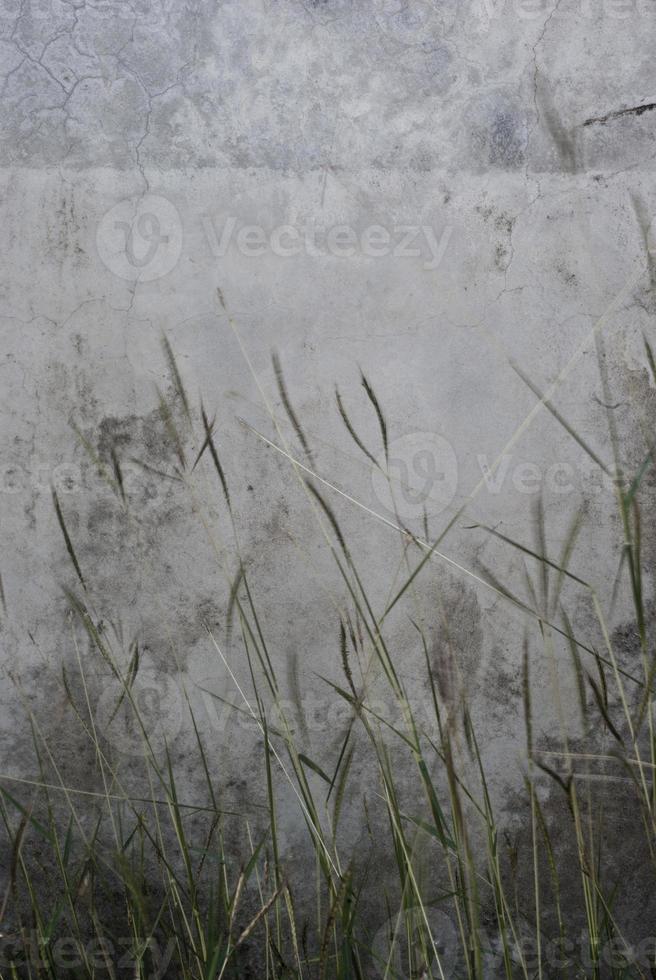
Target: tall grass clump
point(135, 878)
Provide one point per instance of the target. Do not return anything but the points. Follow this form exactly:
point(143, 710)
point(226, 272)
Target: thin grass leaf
point(262, 912)
point(601, 697)
point(329, 514)
point(171, 429)
point(133, 667)
point(291, 414)
point(343, 649)
point(578, 668)
point(351, 431)
point(559, 418)
point(118, 473)
point(233, 599)
point(40, 828)
point(340, 782)
point(644, 222)
point(526, 690)
point(371, 395)
point(542, 558)
point(314, 766)
point(174, 477)
point(209, 444)
point(16, 847)
point(571, 538)
point(67, 539)
point(565, 784)
point(175, 374)
point(95, 459)
point(645, 466)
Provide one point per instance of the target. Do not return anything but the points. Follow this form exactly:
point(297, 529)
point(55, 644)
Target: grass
point(114, 882)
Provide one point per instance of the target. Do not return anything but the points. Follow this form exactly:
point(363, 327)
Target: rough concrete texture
point(448, 195)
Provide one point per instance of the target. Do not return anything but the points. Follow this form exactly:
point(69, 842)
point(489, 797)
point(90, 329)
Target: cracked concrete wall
point(448, 195)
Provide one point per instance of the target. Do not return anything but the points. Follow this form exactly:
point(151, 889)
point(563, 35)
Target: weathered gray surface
point(500, 133)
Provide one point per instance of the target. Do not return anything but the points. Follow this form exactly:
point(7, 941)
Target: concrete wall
point(439, 193)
